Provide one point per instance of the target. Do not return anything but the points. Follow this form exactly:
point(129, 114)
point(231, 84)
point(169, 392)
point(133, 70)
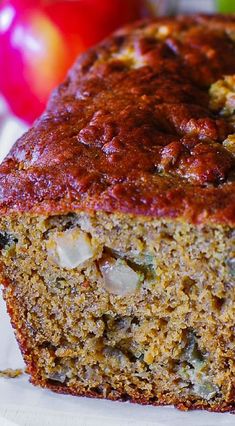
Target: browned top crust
point(130, 130)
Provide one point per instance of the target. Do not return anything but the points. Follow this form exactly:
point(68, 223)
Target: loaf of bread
point(117, 221)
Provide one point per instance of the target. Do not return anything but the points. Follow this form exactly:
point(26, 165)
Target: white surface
point(189, 6)
point(10, 130)
point(21, 404)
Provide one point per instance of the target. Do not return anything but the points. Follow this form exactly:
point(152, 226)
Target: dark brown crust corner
point(183, 406)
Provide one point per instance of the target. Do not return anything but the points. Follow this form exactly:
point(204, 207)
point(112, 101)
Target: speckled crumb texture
point(148, 316)
point(117, 209)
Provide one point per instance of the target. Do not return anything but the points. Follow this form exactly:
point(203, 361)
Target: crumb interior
point(146, 312)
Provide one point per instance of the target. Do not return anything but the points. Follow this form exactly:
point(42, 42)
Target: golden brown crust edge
point(131, 131)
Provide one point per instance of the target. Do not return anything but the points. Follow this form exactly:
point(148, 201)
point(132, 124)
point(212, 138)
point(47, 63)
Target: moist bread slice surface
point(117, 221)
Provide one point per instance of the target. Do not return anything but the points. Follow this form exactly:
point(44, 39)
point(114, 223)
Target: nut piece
point(58, 377)
point(194, 370)
point(229, 144)
point(70, 249)
point(6, 240)
point(231, 266)
point(130, 58)
point(119, 278)
point(222, 94)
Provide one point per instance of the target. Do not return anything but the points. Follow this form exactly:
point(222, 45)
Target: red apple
point(40, 39)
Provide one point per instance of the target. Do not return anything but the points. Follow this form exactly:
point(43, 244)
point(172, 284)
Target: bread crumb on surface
point(11, 373)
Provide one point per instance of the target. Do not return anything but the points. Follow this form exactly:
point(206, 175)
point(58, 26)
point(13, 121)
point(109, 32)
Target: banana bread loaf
point(117, 221)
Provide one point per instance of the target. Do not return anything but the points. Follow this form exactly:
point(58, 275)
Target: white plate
point(21, 404)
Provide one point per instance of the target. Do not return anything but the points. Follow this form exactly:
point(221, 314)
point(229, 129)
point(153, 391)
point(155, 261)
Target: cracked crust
point(131, 129)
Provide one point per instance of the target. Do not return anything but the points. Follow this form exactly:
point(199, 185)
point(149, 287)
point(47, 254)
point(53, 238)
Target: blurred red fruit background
point(40, 39)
